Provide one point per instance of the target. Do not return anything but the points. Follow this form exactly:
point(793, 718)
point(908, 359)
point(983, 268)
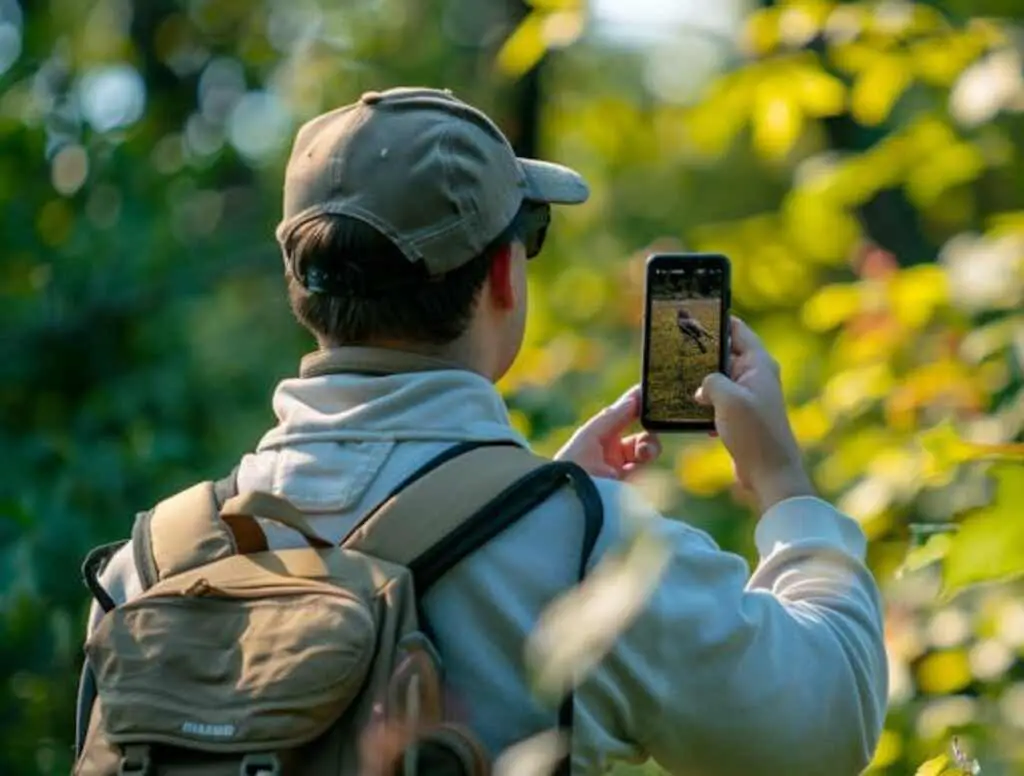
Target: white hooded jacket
point(723, 673)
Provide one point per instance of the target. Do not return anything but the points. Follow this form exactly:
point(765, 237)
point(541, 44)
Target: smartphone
point(685, 337)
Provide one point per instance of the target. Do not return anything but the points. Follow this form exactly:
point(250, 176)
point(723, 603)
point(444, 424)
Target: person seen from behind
point(409, 226)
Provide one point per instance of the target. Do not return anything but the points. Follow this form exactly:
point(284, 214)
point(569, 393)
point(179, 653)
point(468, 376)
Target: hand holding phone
point(751, 419)
point(686, 338)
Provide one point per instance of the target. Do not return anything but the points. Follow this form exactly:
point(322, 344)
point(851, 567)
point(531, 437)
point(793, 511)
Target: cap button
point(371, 98)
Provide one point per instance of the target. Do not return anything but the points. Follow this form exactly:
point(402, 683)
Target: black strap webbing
point(92, 567)
point(503, 511)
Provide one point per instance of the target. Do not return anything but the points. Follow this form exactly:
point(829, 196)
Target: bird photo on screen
point(692, 328)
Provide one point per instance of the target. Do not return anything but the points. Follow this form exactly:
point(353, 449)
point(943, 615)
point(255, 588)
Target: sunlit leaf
point(761, 31)
point(524, 48)
point(890, 746)
point(944, 449)
point(822, 228)
point(868, 499)
point(853, 389)
point(777, 121)
point(574, 633)
point(878, 88)
point(990, 543)
point(916, 293)
point(557, 5)
point(930, 551)
point(953, 165)
point(832, 306)
point(950, 384)
point(810, 423)
point(943, 672)
point(936, 766)
point(820, 94)
point(853, 56)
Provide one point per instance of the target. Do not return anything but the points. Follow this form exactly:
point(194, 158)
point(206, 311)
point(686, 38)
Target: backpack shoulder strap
point(472, 496)
point(184, 531)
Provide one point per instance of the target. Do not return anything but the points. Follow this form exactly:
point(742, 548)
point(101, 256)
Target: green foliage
point(145, 322)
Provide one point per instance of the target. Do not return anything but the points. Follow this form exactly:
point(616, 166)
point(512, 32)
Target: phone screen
point(685, 337)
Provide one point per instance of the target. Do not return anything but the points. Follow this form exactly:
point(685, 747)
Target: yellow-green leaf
point(937, 766)
point(832, 306)
point(525, 46)
point(934, 549)
point(878, 88)
point(777, 120)
point(990, 543)
point(944, 449)
point(820, 93)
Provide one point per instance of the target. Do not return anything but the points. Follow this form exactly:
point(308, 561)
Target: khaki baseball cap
point(432, 173)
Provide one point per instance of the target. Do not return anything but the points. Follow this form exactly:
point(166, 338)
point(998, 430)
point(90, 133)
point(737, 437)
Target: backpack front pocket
point(226, 670)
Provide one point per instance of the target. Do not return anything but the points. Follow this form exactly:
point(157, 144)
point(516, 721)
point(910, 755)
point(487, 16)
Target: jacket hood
point(369, 400)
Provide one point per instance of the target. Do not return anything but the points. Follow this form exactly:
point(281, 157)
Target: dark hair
point(362, 288)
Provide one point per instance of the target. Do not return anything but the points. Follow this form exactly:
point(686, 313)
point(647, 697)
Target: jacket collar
point(371, 361)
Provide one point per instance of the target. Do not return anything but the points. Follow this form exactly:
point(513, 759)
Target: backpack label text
point(208, 731)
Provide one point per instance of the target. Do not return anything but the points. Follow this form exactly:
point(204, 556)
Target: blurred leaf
point(889, 748)
point(937, 766)
point(878, 87)
point(820, 94)
point(915, 293)
point(990, 543)
point(524, 48)
point(832, 306)
point(950, 166)
point(944, 450)
point(932, 550)
point(943, 672)
point(761, 31)
point(575, 632)
point(777, 119)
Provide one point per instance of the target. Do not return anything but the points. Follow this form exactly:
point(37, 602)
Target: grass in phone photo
point(685, 328)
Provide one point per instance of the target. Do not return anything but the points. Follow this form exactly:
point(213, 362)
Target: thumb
point(715, 389)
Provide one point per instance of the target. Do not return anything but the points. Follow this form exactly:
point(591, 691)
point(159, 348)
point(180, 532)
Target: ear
point(500, 285)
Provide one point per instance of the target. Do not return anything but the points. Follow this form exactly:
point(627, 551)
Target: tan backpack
point(237, 660)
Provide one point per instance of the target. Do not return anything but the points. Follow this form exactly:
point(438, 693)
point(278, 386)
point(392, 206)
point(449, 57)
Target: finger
point(640, 448)
point(744, 340)
point(615, 418)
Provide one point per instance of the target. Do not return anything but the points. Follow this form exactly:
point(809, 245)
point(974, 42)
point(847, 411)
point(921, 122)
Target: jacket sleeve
point(776, 673)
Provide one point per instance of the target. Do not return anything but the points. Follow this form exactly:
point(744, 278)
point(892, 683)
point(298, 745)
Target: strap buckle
point(136, 761)
point(260, 764)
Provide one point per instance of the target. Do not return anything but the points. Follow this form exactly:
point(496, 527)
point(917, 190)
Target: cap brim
point(549, 182)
